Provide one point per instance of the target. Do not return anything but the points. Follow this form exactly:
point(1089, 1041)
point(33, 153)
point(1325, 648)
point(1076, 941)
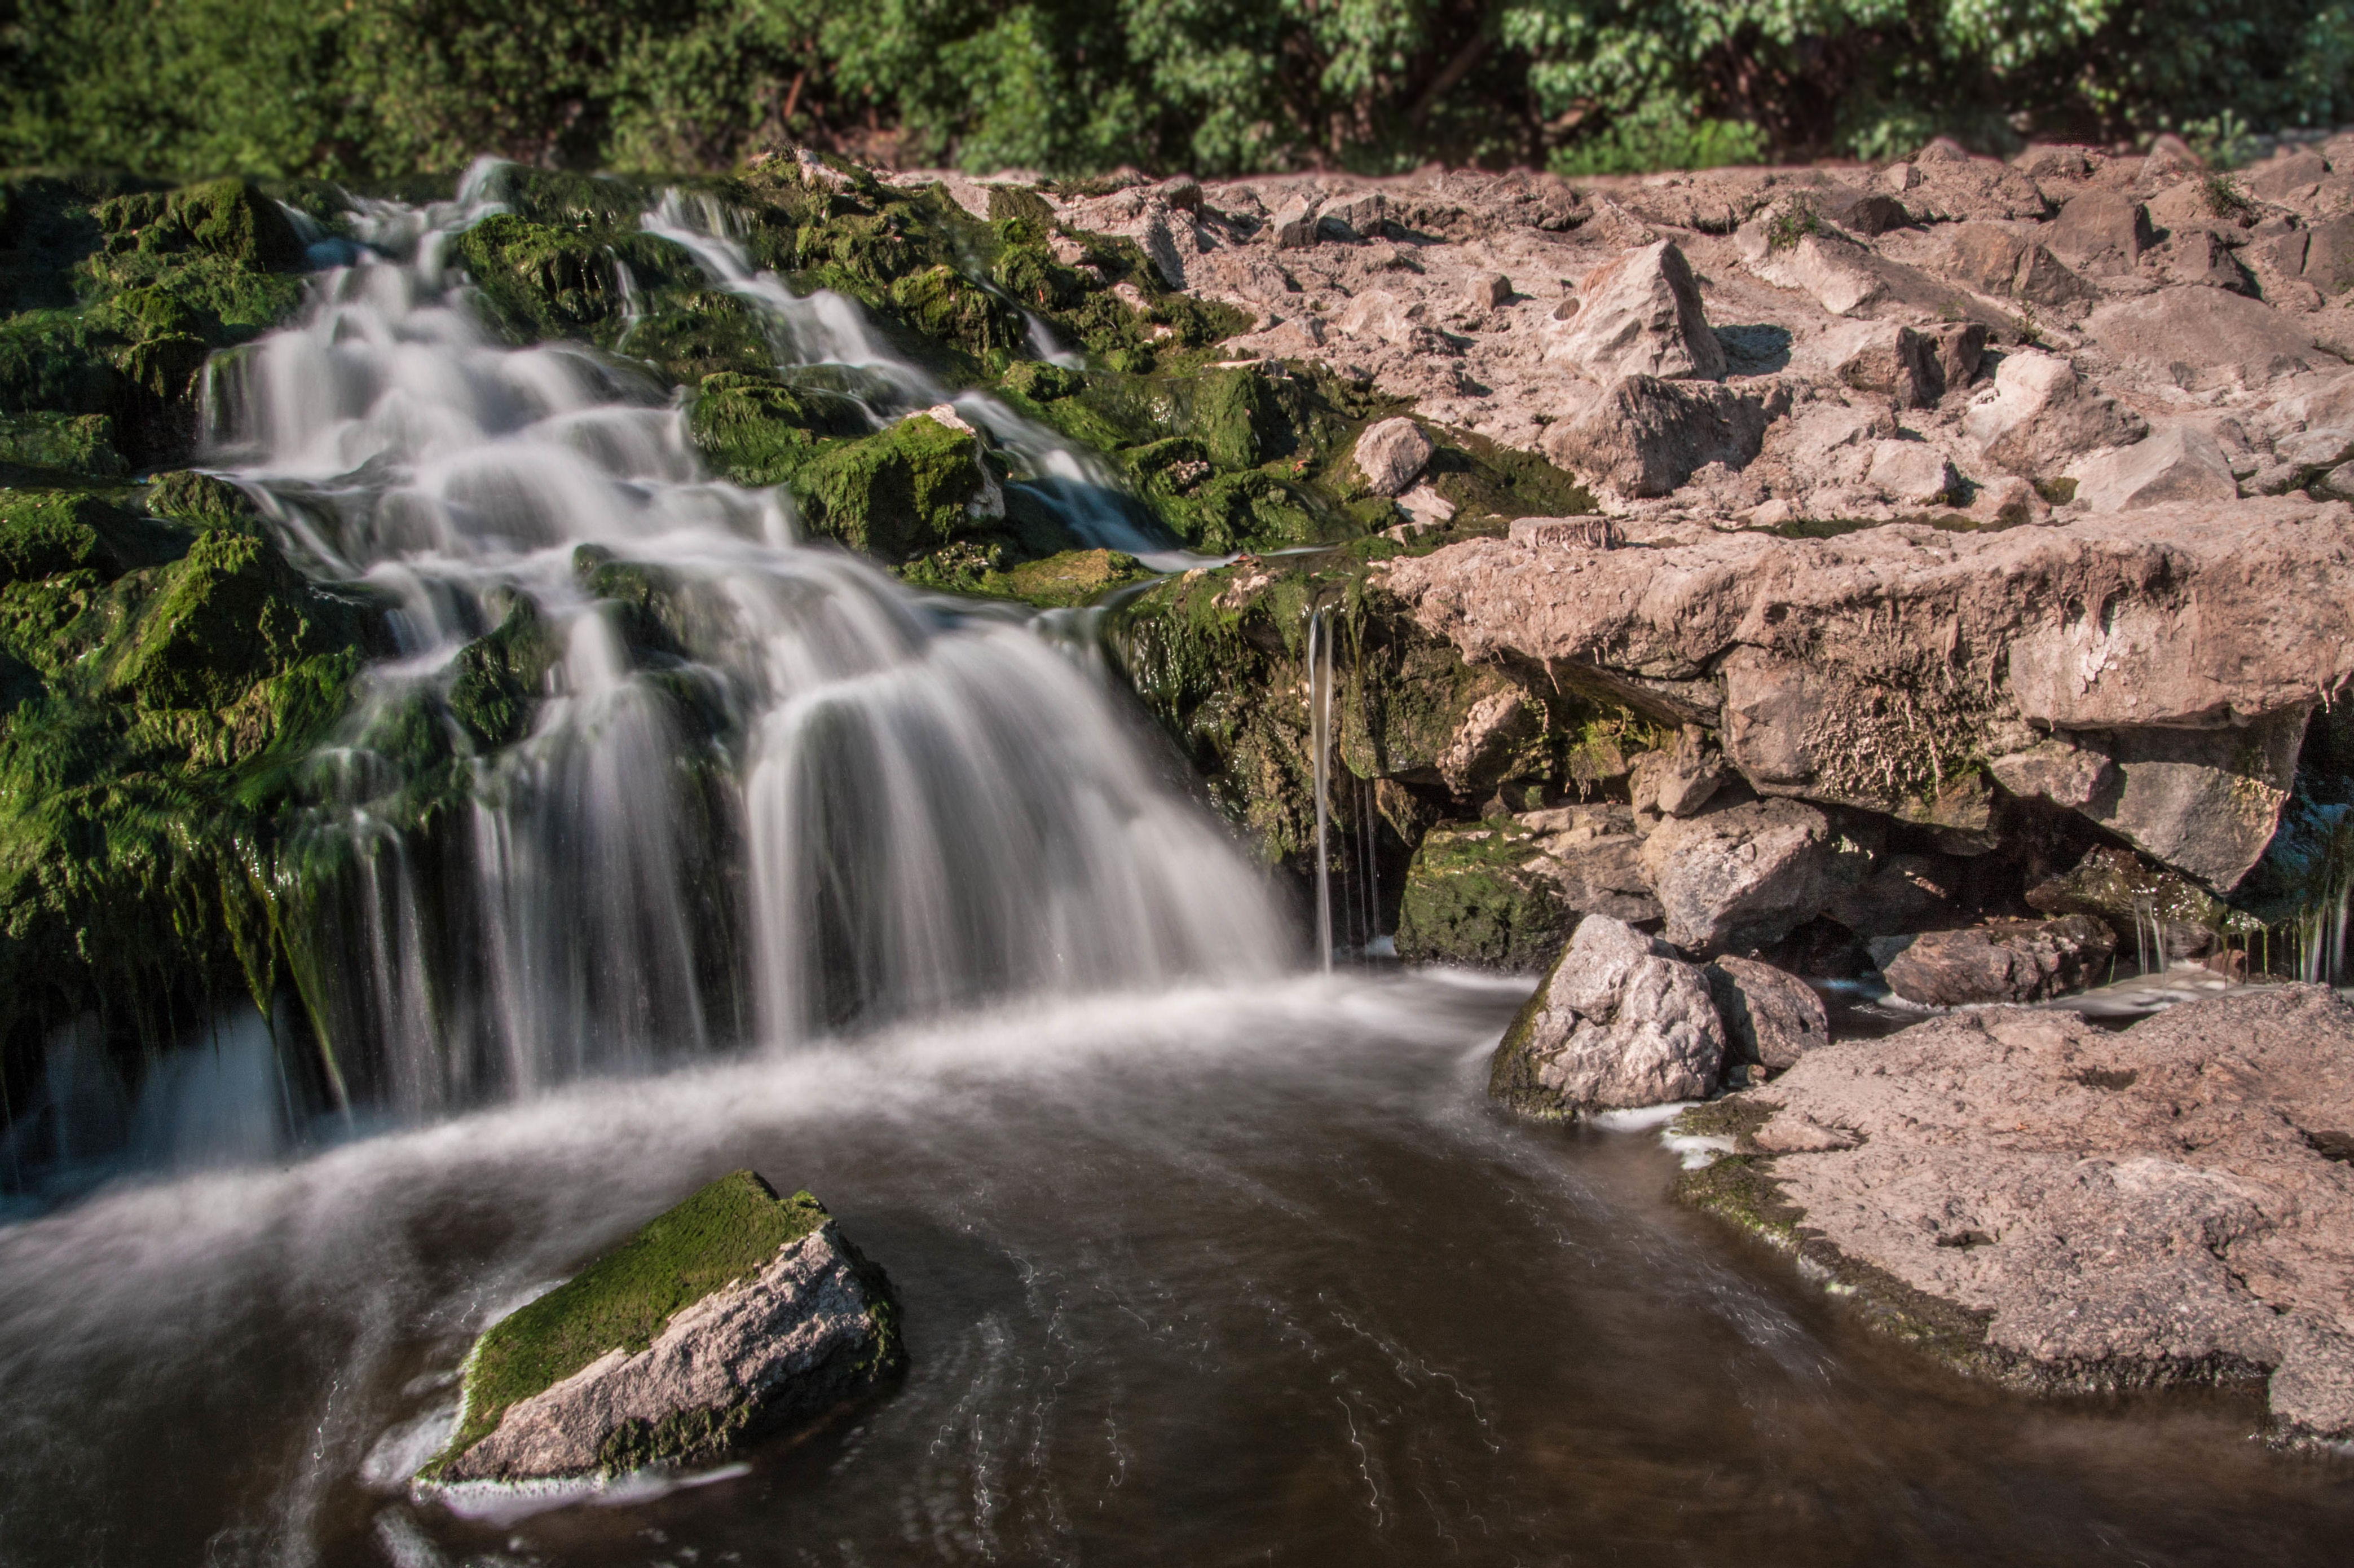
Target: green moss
point(232, 613)
point(201, 498)
point(231, 218)
point(690, 335)
point(1474, 895)
point(946, 308)
point(757, 431)
point(497, 679)
point(67, 443)
point(623, 1300)
point(896, 494)
point(1072, 577)
point(542, 282)
point(1041, 383)
point(44, 536)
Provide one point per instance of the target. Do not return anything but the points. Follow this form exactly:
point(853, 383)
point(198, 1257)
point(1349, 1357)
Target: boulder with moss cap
point(736, 1313)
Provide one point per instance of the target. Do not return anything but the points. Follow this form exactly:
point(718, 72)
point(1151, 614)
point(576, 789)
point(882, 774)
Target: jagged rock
point(1295, 226)
point(1640, 315)
point(2186, 334)
point(1679, 780)
point(1391, 454)
point(1898, 362)
point(1746, 875)
point(2329, 256)
point(2103, 233)
point(1358, 214)
point(2044, 280)
point(732, 1314)
point(1492, 742)
point(2082, 1208)
point(1771, 1018)
point(1618, 1023)
point(2184, 644)
point(2181, 463)
point(2289, 177)
point(2201, 260)
point(2003, 961)
point(2039, 416)
point(1868, 213)
point(1911, 472)
point(1646, 435)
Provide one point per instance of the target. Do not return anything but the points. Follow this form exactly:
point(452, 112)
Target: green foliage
point(623, 1300)
point(376, 89)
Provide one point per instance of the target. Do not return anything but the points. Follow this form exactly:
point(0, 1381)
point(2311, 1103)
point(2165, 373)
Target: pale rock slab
point(1618, 1023)
point(1747, 874)
point(2039, 414)
point(1911, 472)
point(2180, 463)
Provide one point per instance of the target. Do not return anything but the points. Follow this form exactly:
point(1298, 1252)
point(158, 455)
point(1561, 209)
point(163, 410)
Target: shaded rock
point(1905, 893)
point(1640, 315)
point(2102, 232)
point(2200, 258)
point(1958, 346)
point(2116, 888)
point(1391, 454)
point(1358, 214)
point(732, 1314)
point(1646, 435)
point(2329, 256)
point(1771, 1018)
point(1503, 893)
point(1486, 290)
point(2181, 463)
point(1294, 226)
point(1619, 1021)
point(2077, 1208)
point(1900, 362)
point(2003, 961)
point(1865, 212)
point(2039, 414)
point(1492, 743)
point(1747, 876)
point(2203, 800)
point(1911, 472)
point(1677, 781)
point(2044, 280)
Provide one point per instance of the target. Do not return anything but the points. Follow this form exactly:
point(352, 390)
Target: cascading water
point(826, 797)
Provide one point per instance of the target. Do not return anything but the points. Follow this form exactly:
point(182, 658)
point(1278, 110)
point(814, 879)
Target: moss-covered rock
point(1070, 579)
point(542, 282)
point(806, 1323)
point(757, 431)
point(231, 218)
point(894, 494)
point(498, 679)
point(66, 443)
point(1479, 896)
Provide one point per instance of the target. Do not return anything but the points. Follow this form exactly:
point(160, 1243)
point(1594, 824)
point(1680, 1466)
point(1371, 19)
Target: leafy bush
point(378, 89)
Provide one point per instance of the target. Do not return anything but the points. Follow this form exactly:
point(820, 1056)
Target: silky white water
point(838, 800)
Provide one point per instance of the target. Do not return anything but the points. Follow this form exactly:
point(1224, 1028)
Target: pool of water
point(1244, 1275)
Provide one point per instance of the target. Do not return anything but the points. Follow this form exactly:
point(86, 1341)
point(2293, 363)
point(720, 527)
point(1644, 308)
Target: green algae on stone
point(1071, 579)
point(724, 1233)
point(66, 443)
point(541, 281)
point(900, 492)
point(759, 431)
point(499, 677)
point(1475, 896)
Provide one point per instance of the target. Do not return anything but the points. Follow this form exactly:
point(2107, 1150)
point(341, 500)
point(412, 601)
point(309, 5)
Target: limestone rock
point(1911, 472)
point(1391, 454)
point(2003, 961)
point(1295, 226)
point(1898, 362)
point(2039, 414)
point(1640, 315)
point(732, 1314)
point(1491, 744)
point(1618, 1023)
point(1746, 875)
point(1904, 892)
point(2185, 644)
point(1646, 435)
point(2182, 463)
point(2054, 771)
point(1771, 1017)
point(2289, 177)
point(2092, 1209)
point(1677, 781)
point(2102, 232)
point(2194, 332)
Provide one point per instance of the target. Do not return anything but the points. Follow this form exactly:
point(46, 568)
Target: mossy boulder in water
point(231, 218)
point(758, 432)
point(735, 1313)
point(1482, 895)
point(904, 491)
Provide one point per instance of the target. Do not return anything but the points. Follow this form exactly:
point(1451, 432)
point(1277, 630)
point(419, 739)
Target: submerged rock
point(2038, 1199)
point(733, 1314)
point(1619, 1023)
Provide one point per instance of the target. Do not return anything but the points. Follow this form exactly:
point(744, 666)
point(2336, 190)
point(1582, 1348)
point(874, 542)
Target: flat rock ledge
point(733, 1315)
point(2036, 1199)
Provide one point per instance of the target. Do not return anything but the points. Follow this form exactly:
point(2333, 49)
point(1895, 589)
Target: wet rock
point(1771, 1018)
point(906, 490)
point(1391, 454)
point(1503, 893)
point(1904, 892)
point(1618, 1023)
point(1646, 435)
point(1640, 315)
point(2003, 961)
point(1911, 472)
point(733, 1314)
point(2103, 233)
point(1493, 742)
point(2039, 416)
point(2132, 898)
point(2077, 1208)
point(2182, 463)
point(1746, 875)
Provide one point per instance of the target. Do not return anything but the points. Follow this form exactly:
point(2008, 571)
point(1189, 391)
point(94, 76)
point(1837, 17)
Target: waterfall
point(1320, 724)
point(827, 800)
